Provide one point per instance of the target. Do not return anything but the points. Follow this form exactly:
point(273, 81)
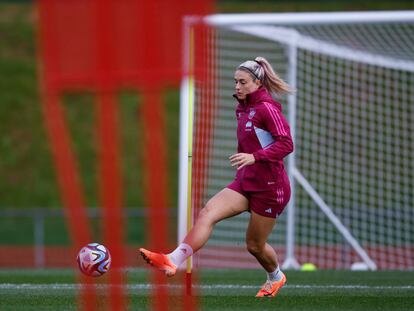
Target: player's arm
point(278, 127)
point(241, 160)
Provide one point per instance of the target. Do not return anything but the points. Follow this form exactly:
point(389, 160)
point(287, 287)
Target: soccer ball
point(94, 259)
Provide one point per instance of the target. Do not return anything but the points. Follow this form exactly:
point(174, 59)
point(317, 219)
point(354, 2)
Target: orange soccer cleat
point(159, 261)
point(270, 289)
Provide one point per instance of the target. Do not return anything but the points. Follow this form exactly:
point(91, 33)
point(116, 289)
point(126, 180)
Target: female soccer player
point(261, 185)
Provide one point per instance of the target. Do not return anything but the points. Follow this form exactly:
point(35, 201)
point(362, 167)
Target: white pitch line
point(63, 286)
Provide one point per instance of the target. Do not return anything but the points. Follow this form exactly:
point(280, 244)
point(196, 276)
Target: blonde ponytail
point(270, 80)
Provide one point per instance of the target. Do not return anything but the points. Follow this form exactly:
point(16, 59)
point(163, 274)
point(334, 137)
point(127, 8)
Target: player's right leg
point(159, 261)
point(225, 204)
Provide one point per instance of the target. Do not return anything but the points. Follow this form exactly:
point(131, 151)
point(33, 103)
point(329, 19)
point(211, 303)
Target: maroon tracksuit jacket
point(263, 131)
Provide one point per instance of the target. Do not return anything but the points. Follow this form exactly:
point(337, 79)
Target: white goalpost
point(352, 121)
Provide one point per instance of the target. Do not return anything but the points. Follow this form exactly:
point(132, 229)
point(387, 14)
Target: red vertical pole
point(156, 183)
point(58, 134)
point(111, 194)
point(154, 139)
point(55, 123)
point(110, 187)
point(70, 187)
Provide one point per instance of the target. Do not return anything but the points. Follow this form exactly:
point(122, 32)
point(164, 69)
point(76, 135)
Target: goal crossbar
point(293, 37)
point(310, 18)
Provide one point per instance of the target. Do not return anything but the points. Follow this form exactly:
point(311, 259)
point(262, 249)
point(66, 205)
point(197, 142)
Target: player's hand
point(241, 160)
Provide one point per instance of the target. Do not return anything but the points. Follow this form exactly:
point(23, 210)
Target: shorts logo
point(269, 210)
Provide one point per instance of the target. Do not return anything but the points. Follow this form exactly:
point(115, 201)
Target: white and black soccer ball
point(94, 259)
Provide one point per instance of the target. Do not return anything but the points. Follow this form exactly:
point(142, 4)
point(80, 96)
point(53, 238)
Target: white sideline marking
point(68, 286)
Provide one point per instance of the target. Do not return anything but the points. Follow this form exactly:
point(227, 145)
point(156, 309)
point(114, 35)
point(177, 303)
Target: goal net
point(352, 120)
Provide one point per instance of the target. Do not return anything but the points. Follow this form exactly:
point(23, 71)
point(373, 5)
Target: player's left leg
point(257, 234)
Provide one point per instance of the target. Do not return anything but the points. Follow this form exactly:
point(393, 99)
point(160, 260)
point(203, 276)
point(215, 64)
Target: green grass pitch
point(222, 290)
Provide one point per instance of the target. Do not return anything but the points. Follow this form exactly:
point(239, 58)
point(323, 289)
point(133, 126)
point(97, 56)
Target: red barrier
point(105, 46)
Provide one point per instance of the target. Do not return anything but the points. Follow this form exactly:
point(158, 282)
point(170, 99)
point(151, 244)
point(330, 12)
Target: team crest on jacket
point(252, 113)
